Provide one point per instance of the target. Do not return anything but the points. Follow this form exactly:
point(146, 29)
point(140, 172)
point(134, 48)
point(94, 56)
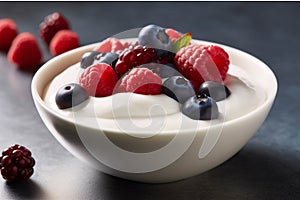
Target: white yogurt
point(135, 112)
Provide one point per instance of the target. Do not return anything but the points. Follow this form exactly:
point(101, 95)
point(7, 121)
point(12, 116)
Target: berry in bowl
point(157, 107)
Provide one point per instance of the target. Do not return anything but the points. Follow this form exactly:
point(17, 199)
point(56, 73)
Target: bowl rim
point(268, 102)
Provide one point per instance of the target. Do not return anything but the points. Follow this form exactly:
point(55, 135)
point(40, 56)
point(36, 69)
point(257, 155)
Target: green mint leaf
point(182, 42)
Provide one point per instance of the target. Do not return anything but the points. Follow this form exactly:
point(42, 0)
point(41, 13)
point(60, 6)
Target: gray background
point(268, 167)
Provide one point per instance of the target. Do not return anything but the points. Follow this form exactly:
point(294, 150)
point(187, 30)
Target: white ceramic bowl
point(146, 160)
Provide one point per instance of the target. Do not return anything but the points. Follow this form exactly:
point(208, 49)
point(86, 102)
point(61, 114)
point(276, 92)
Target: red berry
point(110, 45)
point(129, 45)
point(6, 160)
point(131, 58)
point(51, 25)
point(63, 41)
point(200, 63)
point(99, 80)
point(16, 163)
point(141, 81)
point(25, 52)
point(173, 34)
point(8, 32)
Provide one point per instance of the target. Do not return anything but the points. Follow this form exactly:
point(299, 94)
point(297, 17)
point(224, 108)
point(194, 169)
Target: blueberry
point(172, 66)
point(178, 88)
point(155, 37)
point(201, 108)
point(108, 58)
point(94, 57)
point(88, 59)
point(164, 71)
point(216, 90)
point(70, 95)
point(165, 55)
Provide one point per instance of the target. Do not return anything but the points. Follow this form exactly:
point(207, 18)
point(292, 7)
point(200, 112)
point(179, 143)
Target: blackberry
point(16, 163)
point(51, 25)
point(133, 57)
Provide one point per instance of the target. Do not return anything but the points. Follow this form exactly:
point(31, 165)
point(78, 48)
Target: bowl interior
point(260, 73)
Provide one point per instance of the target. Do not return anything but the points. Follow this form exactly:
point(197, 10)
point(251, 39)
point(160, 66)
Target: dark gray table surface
point(268, 167)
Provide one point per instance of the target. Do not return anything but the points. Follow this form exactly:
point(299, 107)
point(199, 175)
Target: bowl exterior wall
point(189, 164)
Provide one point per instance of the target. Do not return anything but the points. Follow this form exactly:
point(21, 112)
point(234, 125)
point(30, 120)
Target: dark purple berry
point(163, 70)
point(17, 153)
point(178, 88)
point(201, 108)
point(7, 151)
point(6, 160)
point(130, 58)
point(70, 95)
point(215, 90)
point(16, 163)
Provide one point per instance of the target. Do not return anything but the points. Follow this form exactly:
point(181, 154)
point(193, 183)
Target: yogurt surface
point(135, 112)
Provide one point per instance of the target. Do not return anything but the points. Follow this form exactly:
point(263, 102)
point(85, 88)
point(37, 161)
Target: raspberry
point(110, 45)
point(8, 32)
point(99, 80)
point(133, 57)
point(63, 41)
point(200, 63)
point(16, 163)
point(141, 81)
point(129, 45)
point(25, 52)
point(173, 34)
point(51, 25)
